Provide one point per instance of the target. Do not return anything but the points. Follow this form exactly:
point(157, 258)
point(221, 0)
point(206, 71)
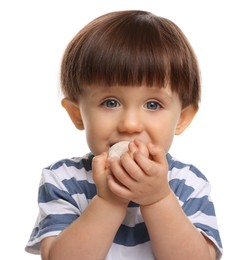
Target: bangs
point(125, 55)
point(129, 48)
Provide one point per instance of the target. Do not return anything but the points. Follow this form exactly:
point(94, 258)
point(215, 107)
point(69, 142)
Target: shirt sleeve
point(57, 210)
point(193, 192)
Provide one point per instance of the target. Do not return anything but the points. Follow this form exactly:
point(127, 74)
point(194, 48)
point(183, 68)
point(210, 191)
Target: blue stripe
point(214, 233)
point(80, 187)
point(133, 204)
point(194, 205)
point(53, 222)
point(126, 236)
point(89, 189)
point(197, 172)
point(181, 190)
point(34, 234)
point(83, 163)
point(132, 236)
point(48, 192)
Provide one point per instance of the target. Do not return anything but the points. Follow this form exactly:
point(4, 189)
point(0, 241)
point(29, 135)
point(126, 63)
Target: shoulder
point(186, 180)
point(74, 162)
point(178, 166)
point(67, 178)
point(68, 168)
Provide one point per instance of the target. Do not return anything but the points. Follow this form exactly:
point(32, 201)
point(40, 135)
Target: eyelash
point(108, 101)
point(112, 103)
point(156, 103)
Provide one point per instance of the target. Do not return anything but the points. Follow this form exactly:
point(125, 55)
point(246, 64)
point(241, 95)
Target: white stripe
point(139, 252)
point(57, 207)
point(191, 180)
point(81, 201)
point(204, 219)
point(133, 217)
point(64, 172)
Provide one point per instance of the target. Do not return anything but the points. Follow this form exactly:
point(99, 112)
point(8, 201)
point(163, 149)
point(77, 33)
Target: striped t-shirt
point(67, 187)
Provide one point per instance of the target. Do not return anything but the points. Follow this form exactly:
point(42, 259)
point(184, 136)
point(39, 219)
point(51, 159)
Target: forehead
point(147, 91)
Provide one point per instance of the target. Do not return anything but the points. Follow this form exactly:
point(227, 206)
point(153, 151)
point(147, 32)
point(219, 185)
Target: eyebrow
point(167, 93)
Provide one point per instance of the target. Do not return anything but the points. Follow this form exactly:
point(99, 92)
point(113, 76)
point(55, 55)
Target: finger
point(152, 166)
point(157, 153)
point(144, 163)
point(142, 147)
point(132, 168)
point(132, 148)
point(119, 172)
point(99, 164)
point(117, 188)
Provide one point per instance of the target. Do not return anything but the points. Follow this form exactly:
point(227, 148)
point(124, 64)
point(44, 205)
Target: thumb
point(99, 165)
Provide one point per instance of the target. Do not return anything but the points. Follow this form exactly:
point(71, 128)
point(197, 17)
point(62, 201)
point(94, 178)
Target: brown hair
point(131, 48)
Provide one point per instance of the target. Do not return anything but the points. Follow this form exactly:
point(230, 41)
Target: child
point(127, 76)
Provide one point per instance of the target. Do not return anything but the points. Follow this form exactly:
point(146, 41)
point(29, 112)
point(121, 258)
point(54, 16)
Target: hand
point(140, 175)
point(100, 172)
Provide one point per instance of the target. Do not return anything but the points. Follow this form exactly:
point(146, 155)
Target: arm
point(92, 234)
point(172, 235)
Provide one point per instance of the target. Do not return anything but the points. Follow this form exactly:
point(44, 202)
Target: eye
point(152, 105)
point(110, 103)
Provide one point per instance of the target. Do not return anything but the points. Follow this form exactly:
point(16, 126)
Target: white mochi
point(118, 149)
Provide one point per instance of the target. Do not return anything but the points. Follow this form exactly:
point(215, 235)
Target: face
point(113, 114)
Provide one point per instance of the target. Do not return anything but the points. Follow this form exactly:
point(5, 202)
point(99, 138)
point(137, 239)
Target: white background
point(36, 131)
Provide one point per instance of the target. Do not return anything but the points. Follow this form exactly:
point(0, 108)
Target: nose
point(131, 122)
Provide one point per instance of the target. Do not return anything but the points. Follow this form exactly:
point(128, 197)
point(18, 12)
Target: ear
point(74, 112)
point(186, 117)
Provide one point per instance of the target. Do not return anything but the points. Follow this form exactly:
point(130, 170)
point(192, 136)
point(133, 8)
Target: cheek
point(163, 134)
point(165, 140)
point(97, 135)
point(92, 137)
